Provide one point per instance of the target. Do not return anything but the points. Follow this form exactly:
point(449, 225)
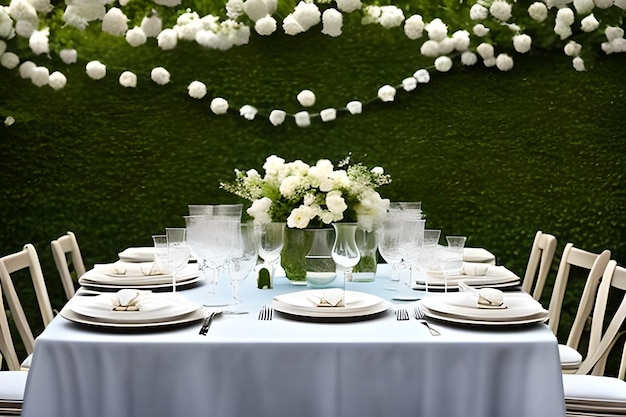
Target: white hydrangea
point(422, 76)
point(219, 105)
point(572, 48)
point(79, 15)
point(160, 75)
point(504, 62)
point(22, 10)
point(348, 6)
point(522, 43)
point(430, 48)
point(167, 39)
point(304, 17)
point(57, 80)
point(501, 10)
point(538, 11)
point(96, 70)
point(234, 9)
point(480, 30)
point(461, 39)
point(387, 93)
point(469, 58)
point(26, 69)
point(579, 64)
point(9, 60)
point(414, 27)
point(151, 26)
point(478, 12)
point(40, 76)
point(68, 56)
point(443, 64)
point(196, 89)
point(409, 84)
point(437, 30)
point(248, 112)
point(303, 119)
point(306, 98)
point(258, 9)
point(189, 24)
point(265, 26)
point(115, 22)
point(128, 79)
point(355, 107)
point(300, 217)
point(332, 21)
point(136, 37)
point(260, 210)
point(277, 117)
point(589, 23)
point(38, 41)
point(328, 115)
point(583, 6)
point(390, 17)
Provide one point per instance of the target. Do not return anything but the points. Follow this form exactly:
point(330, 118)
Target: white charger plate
point(460, 320)
point(196, 315)
point(104, 276)
point(162, 307)
point(463, 306)
point(453, 286)
point(358, 304)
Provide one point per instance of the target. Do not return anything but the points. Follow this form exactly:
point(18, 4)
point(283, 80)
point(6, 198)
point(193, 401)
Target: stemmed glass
point(178, 251)
point(390, 244)
point(345, 251)
point(243, 257)
point(271, 241)
point(451, 260)
point(428, 255)
point(160, 254)
point(412, 243)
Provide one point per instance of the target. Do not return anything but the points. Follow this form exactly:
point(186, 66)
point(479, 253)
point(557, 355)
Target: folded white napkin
point(474, 269)
point(332, 297)
point(130, 269)
point(128, 299)
point(485, 297)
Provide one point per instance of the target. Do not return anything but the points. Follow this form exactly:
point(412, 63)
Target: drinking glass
point(412, 232)
point(243, 257)
point(428, 255)
point(271, 241)
point(216, 210)
point(451, 260)
point(178, 251)
point(160, 253)
point(345, 252)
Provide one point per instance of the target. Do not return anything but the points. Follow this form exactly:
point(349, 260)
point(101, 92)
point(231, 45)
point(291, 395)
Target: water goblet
point(345, 252)
point(160, 253)
point(390, 243)
point(178, 252)
point(428, 255)
point(243, 257)
point(451, 260)
point(271, 241)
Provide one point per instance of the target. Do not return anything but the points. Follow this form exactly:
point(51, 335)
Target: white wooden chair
point(588, 390)
point(596, 264)
point(26, 259)
point(13, 381)
point(66, 252)
point(539, 263)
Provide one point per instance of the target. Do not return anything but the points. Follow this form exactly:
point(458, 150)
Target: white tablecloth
point(246, 367)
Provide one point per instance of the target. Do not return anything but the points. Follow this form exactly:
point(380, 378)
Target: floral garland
point(487, 24)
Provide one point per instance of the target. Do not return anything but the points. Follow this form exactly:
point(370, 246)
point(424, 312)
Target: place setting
point(475, 274)
point(134, 309)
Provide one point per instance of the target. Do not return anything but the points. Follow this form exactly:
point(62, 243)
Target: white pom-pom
point(96, 70)
point(128, 79)
point(196, 89)
point(303, 119)
point(355, 107)
point(386, 93)
point(57, 80)
point(277, 117)
point(328, 114)
point(306, 98)
point(219, 105)
point(160, 75)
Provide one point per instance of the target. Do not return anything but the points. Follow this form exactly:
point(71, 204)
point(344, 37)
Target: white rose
point(260, 209)
point(335, 202)
point(437, 30)
point(504, 62)
point(26, 69)
point(480, 30)
point(9, 60)
point(572, 48)
point(578, 64)
point(151, 26)
point(348, 6)
point(478, 12)
point(300, 217)
point(38, 41)
point(409, 84)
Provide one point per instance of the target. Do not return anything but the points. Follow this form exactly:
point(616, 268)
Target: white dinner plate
point(453, 286)
point(462, 305)
point(159, 307)
point(358, 304)
point(196, 315)
point(104, 275)
point(478, 255)
point(540, 318)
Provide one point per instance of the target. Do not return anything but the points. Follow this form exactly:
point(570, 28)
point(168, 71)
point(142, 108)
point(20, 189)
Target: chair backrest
point(25, 259)
point(602, 338)
point(61, 248)
point(7, 348)
point(596, 264)
point(541, 257)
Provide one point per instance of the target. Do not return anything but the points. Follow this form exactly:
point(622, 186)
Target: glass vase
point(365, 270)
point(297, 244)
point(319, 264)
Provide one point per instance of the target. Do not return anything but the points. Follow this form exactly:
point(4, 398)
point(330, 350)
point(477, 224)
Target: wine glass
point(428, 255)
point(178, 252)
point(160, 254)
point(345, 251)
point(271, 241)
point(451, 260)
point(243, 257)
point(412, 243)
point(389, 245)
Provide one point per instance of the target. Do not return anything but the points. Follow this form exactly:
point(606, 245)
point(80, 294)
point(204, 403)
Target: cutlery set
point(402, 314)
point(206, 323)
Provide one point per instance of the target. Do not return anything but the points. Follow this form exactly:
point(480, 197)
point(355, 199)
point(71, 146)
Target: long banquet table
point(286, 367)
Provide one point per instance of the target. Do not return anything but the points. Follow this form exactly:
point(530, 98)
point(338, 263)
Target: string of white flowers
point(22, 18)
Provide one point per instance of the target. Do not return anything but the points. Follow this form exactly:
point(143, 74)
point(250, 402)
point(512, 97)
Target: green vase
point(296, 245)
point(365, 270)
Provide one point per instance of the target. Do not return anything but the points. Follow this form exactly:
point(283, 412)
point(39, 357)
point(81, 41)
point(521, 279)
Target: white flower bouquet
point(308, 196)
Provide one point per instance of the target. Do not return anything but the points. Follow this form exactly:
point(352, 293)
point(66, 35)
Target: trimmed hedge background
point(494, 156)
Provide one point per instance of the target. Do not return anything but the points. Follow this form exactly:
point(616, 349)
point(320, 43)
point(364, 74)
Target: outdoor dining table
point(244, 366)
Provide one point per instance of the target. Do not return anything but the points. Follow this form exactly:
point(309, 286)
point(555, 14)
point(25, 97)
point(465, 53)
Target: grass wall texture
point(494, 156)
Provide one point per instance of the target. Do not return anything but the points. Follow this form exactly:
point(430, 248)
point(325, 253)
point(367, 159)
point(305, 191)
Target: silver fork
point(418, 313)
point(206, 323)
point(266, 313)
point(402, 314)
